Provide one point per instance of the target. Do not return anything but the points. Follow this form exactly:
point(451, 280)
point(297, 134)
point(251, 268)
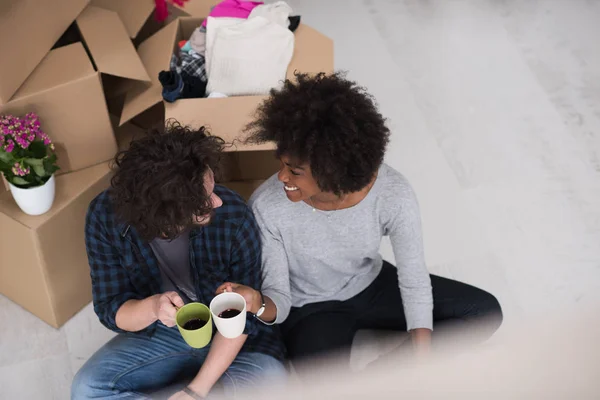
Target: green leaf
point(34, 161)
point(17, 180)
point(39, 170)
point(37, 149)
point(50, 164)
point(6, 157)
point(4, 166)
point(37, 165)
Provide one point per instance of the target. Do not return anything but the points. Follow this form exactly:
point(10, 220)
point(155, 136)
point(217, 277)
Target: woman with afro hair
point(322, 218)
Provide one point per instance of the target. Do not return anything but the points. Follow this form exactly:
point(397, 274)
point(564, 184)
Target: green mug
point(196, 338)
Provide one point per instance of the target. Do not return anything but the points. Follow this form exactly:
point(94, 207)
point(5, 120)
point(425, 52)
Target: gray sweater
point(313, 256)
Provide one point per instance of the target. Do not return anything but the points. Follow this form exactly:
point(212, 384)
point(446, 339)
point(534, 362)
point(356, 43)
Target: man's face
point(209, 184)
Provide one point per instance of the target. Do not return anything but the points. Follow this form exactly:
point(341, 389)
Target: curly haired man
point(161, 236)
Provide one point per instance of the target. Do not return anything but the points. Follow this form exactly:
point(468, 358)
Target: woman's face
point(297, 179)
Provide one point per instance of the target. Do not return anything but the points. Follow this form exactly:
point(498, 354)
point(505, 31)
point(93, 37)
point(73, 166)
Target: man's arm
point(111, 287)
point(135, 315)
point(118, 306)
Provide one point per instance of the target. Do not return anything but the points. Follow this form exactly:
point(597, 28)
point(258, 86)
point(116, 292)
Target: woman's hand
point(181, 395)
point(421, 340)
point(252, 297)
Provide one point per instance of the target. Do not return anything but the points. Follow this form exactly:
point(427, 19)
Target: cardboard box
point(245, 171)
point(126, 133)
point(244, 188)
point(248, 165)
point(135, 14)
point(44, 264)
point(28, 30)
point(67, 93)
point(313, 52)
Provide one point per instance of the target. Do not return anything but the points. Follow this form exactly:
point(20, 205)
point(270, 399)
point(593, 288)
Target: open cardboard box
point(247, 165)
point(28, 30)
point(67, 93)
point(44, 264)
point(226, 117)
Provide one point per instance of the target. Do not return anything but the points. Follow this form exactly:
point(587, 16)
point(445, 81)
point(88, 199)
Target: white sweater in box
point(247, 58)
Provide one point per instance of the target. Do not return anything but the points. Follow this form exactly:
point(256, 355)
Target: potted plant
point(28, 162)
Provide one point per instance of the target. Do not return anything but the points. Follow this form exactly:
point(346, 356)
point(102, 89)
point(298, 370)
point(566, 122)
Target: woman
point(322, 218)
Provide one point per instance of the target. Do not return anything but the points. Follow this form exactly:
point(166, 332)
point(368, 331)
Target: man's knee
point(252, 370)
point(87, 384)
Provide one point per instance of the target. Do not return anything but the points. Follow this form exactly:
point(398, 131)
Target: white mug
point(229, 327)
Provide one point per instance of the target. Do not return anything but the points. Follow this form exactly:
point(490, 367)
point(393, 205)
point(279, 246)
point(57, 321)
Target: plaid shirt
point(192, 63)
point(123, 266)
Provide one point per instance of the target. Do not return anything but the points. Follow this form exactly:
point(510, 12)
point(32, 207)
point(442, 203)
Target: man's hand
point(165, 307)
point(252, 297)
point(135, 315)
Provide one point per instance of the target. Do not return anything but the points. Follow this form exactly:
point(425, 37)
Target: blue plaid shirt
point(123, 266)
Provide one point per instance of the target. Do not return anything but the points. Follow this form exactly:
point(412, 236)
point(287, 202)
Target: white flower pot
point(36, 200)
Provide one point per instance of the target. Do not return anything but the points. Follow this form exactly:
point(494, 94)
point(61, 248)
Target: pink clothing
point(233, 8)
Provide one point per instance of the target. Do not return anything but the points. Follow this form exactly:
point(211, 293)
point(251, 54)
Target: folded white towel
point(249, 58)
point(277, 12)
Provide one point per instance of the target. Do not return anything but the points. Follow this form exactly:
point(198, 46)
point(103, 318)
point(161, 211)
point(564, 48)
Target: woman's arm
point(404, 229)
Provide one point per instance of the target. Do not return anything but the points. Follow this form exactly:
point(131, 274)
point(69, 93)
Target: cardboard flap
point(28, 30)
point(60, 66)
point(126, 133)
point(109, 44)
point(313, 52)
point(155, 54)
point(133, 13)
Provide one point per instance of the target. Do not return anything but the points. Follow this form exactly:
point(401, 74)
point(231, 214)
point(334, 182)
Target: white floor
point(495, 112)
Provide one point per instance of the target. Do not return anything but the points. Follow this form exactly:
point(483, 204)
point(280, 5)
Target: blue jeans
point(131, 366)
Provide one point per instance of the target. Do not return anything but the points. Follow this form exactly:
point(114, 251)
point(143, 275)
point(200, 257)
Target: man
point(164, 235)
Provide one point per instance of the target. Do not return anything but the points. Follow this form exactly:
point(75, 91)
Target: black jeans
point(320, 328)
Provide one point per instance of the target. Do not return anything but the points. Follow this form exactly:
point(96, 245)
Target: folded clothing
point(247, 58)
point(294, 23)
point(233, 8)
point(191, 63)
point(181, 86)
point(277, 12)
point(212, 27)
point(198, 41)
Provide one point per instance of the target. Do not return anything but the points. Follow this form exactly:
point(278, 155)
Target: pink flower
point(18, 170)
point(18, 133)
point(9, 146)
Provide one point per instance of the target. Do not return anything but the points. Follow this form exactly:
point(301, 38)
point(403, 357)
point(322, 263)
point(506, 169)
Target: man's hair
point(329, 122)
point(158, 186)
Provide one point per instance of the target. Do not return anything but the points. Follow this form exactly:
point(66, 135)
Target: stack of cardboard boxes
point(89, 69)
